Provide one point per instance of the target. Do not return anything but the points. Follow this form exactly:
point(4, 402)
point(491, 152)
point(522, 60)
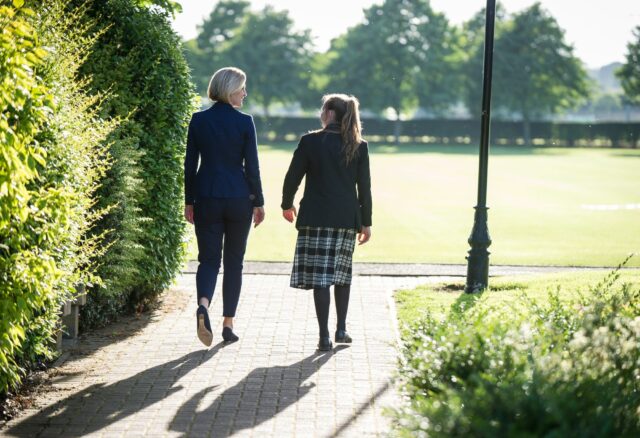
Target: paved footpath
point(156, 379)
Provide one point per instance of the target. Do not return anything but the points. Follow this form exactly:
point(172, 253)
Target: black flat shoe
point(204, 326)
point(325, 344)
point(342, 337)
point(228, 335)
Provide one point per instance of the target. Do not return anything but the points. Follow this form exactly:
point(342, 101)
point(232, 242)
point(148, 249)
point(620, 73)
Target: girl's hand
point(364, 235)
point(289, 214)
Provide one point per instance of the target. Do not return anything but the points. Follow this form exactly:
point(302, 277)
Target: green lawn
point(539, 201)
point(438, 298)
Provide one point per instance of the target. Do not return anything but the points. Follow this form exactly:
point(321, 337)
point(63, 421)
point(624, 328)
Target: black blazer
point(224, 139)
point(336, 195)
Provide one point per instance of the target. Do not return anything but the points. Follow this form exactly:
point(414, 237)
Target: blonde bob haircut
point(225, 82)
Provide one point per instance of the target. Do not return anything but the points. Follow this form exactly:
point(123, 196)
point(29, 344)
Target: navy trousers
point(222, 227)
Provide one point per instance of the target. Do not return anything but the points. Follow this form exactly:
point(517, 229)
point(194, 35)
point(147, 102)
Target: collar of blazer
point(220, 104)
point(333, 127)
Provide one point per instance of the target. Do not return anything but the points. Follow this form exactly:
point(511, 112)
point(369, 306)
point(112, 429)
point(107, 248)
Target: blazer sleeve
point(190, 166)
point(364, 186)
point(252, 166)
point(293, 178)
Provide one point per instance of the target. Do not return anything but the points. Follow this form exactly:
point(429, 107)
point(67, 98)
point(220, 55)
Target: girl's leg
point(322, 300)
point(341, 294)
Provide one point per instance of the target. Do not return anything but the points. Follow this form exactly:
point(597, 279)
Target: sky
point(598, 30)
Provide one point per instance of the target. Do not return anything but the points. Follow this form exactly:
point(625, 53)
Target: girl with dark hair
point(336, 206)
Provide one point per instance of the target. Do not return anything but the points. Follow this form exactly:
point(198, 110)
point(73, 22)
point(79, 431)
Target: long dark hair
point(347, 114)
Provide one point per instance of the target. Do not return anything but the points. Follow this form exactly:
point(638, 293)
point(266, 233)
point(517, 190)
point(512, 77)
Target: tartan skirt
point(323, 257)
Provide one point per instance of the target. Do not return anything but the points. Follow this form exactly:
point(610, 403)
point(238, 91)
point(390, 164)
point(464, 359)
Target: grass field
point(548, 206)
point(438, 298)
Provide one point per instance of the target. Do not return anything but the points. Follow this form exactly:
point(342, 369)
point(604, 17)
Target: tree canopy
point(274, 55)
point(629, 73)
point(535, 72)
point(400, 57)
point(263, 43)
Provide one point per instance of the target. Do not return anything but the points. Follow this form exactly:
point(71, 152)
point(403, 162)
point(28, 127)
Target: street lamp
point(478, 258)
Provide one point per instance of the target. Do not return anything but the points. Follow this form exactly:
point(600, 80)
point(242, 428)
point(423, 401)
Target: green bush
point(27, 276)
point(567, 368)
point(138, 59)
point(53, 157)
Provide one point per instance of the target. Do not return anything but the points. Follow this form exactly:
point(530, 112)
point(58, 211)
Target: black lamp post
point(478, 258)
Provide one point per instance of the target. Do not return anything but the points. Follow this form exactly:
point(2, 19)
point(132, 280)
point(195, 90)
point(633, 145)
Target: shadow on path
point(258, 397)
point(371, 400)
point(99, 406)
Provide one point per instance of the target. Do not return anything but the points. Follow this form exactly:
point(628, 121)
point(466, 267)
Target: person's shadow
point(258, 397)
point(114, 401)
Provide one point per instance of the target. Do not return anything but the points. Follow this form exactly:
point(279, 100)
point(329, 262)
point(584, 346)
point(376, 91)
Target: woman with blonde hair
point(336, 206)
point(222, 194)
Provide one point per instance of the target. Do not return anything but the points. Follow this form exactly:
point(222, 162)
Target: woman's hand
point(188, 213)
point(289, 214)
point(258, 216)
point(364, 235)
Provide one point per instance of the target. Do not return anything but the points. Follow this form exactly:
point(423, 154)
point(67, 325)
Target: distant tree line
point(402, 57)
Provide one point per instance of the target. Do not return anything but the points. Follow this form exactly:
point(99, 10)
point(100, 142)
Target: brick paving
point(155, 379)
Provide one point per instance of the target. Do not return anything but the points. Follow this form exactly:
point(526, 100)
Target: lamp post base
point(478, 258)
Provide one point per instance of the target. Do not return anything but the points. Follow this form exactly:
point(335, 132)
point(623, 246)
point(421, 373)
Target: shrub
point(138, 59)
point(567, 368)
point(51, 142)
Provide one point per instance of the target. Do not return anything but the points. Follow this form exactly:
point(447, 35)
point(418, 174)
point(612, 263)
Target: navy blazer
point(336, 195)
point(224, 140)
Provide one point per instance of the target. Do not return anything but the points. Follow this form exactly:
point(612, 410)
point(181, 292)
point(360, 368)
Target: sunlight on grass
point(439, 298)
point(423, 198)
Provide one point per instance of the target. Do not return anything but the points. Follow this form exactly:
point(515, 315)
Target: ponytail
point(348, 115)
point(351, 129)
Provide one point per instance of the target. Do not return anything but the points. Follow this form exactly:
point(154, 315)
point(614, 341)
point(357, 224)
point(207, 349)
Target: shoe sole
point(343, 341)
point(205, 336)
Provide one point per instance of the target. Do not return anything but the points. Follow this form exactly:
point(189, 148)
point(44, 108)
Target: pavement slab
point(153, 378)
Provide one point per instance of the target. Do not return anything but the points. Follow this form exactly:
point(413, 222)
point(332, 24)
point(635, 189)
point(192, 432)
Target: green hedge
point(452, 131)
point(138, 59)
point(565, 368)
point(92, 134)
point(53, 158)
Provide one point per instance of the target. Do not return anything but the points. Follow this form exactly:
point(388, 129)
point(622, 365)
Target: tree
point(629, 73)
point(206, 53)
point(472, 41)
point(535, 72)
point(200, 65)
point(221, 25)
point(401, 56)
point(275, 57)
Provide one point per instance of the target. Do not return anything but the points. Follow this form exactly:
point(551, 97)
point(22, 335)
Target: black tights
point(322, 299)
